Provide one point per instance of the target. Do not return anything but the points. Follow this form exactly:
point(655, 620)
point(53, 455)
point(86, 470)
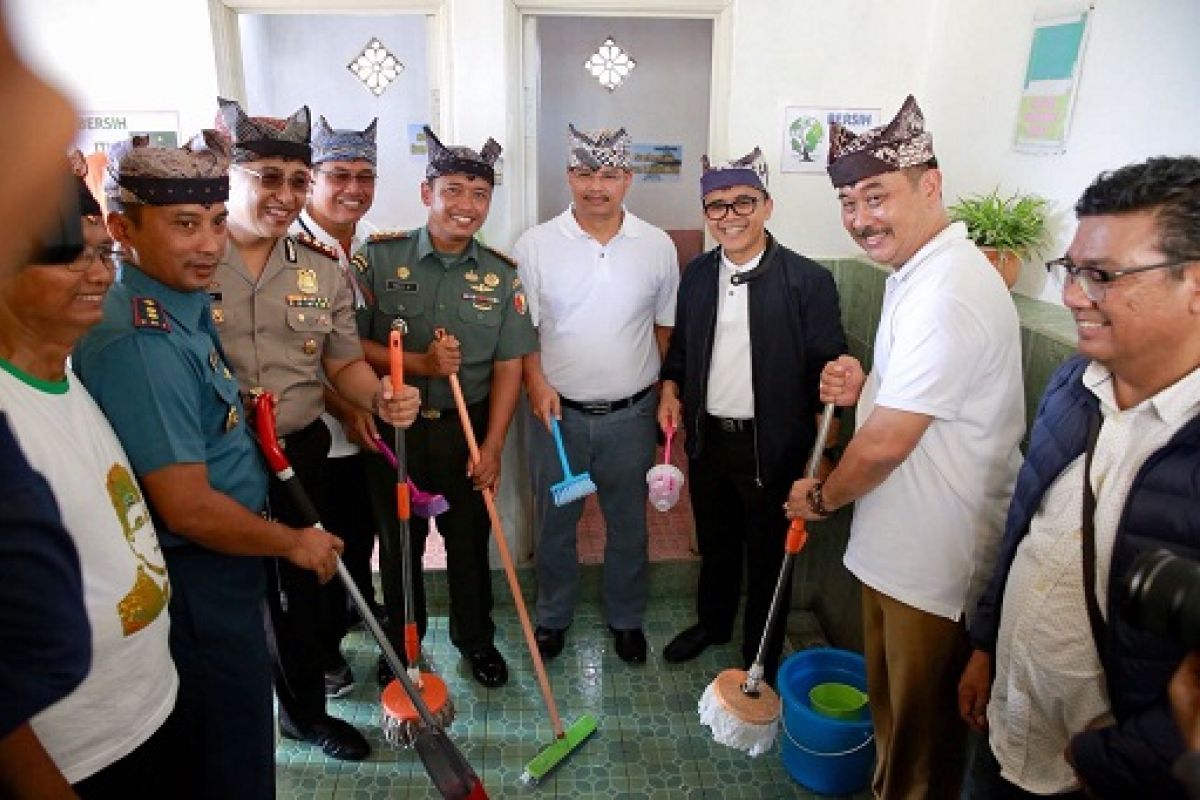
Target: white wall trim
point(332, 6)
point(625, 8)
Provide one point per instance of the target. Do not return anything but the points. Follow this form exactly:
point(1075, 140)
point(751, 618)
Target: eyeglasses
point(106, 254)
point(274, 179)
point(340, 178)
point(1094, 282)
point(742, 206)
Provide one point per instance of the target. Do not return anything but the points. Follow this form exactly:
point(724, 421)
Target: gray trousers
point(617, 449)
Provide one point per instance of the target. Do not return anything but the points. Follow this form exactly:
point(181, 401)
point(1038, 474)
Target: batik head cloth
point(598, 148)
point(901, 143)
point(138, 174)
point(79, 168)
point(253, 138)
point(343, 144)
point(749, 170)
point(453, 160)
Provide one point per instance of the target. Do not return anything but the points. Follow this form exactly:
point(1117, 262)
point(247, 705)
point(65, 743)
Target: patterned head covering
point(253, 138)
point(453, 160)
point(598, 148)
point(139, 174)
point(901, 143)
point(749, 170)
point(88, 206)
point(342, 144)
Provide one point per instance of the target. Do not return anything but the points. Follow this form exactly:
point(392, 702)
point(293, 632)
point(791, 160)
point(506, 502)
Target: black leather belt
point(598, 407)
point(731, 425)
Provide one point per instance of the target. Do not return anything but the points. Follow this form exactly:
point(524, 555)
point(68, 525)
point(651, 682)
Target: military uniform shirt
point(475, 296)
point(277, 330)
point(154, 366)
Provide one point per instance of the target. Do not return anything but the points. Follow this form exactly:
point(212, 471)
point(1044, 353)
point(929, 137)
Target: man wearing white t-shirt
point(601, 285)
point(935, 455)
point(109, 737)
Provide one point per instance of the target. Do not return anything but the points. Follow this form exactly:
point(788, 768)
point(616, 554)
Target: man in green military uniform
point(286, 317)
point(156, 368)
point(439, 277)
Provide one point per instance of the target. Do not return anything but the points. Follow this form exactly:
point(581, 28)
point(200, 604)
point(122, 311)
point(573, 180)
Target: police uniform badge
point(306, 281)
point(310, 347)
point(218, 315)
point(149, 313)
point(232, 418)
point(289, 250)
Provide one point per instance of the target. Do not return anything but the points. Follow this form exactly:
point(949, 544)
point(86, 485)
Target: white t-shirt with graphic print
point(130, 689)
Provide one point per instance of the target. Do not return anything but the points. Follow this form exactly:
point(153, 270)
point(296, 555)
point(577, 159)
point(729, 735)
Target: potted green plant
point(1007, 229)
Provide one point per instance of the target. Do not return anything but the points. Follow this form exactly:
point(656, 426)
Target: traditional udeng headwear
point(598, 148)
point(452, 160)
point(253, 138)
point(901, 143)
point(343, 144)
point(88, 206)
point(138, 174)
point(749, 170)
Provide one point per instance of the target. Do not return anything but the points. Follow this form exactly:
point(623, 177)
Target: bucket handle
point(801, 747)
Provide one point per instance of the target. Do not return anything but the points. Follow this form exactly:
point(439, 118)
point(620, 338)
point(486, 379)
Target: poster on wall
point(1051, 81)
point(656, 163)
point(98, 130)
point(806, 134)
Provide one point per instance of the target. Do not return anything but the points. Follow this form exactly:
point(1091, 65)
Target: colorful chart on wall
point(806, 134)
point(654, 163)
point(1051, 81)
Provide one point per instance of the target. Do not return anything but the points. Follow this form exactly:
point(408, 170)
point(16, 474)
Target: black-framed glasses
point(742, 206)
point(341, 178)
point(274, 179)
point(1094, 281)
point(106, 254)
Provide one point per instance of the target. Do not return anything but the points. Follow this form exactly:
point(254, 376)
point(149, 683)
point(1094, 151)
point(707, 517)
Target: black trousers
point(301, 615)
point(348, 515)
point(437, 458)
point(740, 526)
point(150, 770)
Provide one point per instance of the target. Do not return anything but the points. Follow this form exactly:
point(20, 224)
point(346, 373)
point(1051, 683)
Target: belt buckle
point(431, 413)
point(597, 406)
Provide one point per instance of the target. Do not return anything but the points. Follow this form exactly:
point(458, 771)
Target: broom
point(448, 770)
point(566, 741)
point(401, 719)
point(424, 504)
point(740, 708)
point(571, 487)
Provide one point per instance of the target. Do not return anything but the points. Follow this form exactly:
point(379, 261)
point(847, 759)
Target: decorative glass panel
point(376, 67)
point(610, 64)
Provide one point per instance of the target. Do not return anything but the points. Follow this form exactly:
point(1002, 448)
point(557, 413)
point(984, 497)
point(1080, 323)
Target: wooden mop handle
point(510, 571)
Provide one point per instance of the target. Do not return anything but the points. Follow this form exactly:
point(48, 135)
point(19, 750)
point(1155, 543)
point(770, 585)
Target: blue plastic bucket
point(828, 756)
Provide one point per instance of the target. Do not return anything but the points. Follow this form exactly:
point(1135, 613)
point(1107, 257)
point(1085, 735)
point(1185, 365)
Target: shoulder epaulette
point(149, 313)
point(507, 259)
point(360, 263)
point(389, 236)
point(319, 246)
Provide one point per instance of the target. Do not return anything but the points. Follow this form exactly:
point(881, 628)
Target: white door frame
point(523, 68)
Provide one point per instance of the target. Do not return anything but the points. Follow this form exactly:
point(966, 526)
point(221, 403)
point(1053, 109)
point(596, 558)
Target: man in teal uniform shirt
point(436, 277)
point(156, 369)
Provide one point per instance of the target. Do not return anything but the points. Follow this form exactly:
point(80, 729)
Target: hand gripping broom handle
point(447, 768)
point(509, 570)
point(796, 537)
point(412, 639)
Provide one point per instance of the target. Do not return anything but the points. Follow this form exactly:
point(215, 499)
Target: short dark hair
point(1169, 186)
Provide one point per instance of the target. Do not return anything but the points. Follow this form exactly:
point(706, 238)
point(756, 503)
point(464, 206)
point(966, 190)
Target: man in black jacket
point(754, 325)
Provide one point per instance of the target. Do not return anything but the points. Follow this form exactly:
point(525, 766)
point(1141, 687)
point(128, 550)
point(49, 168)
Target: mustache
point(863, 233)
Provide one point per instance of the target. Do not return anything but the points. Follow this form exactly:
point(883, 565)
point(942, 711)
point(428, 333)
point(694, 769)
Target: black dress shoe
point(488, 667)
point(550, 640)
point(383, 673)
point(689, 644)
point(631, 644)
point(336, 738)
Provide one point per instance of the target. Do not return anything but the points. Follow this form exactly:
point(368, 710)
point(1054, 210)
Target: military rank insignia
point(389, 236)
point(360, 263)
point(149, 313)
point(320, 247)
point(520, 303)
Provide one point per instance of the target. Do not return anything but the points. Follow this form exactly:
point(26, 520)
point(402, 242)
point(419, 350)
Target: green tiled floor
point(650, 743)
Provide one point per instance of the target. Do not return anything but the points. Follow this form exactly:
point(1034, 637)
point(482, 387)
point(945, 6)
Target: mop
point(401, 719)
point(665, 480)
point(424, 504)
point(741, 709)
point(571, 487)
point(448, 770)
point(566, 741)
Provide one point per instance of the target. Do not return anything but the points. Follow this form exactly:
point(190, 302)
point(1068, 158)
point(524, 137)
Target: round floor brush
point(401, 719)
point(740, 707)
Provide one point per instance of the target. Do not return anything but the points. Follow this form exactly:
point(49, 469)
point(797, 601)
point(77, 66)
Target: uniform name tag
point(394, 285)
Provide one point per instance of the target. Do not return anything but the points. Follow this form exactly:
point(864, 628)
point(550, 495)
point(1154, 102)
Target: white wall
point(673, 61)
point(285, 70)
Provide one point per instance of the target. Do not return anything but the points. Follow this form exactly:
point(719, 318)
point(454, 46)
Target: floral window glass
point(610, 65)
point(376, 67)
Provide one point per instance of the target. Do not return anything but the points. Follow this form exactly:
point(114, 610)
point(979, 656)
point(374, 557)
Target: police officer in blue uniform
point(156, 368)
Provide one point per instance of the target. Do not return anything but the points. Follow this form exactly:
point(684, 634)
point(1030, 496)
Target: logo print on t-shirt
point(151, 589)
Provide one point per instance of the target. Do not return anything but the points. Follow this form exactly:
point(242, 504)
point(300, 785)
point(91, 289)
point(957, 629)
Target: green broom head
point(546, 761)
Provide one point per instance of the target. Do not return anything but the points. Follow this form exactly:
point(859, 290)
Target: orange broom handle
point(509, 570)
point(396, 362)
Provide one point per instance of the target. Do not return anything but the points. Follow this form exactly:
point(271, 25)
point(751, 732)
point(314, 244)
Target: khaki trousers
point(914, 662)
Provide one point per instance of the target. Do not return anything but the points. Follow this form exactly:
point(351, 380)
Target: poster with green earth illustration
point(806, 134)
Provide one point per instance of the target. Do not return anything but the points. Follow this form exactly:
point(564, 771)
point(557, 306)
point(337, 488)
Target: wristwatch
point(816, 500)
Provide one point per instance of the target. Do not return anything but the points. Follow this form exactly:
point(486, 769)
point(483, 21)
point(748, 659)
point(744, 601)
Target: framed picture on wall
point(1051, 80)
point(806, 134)
point(98, 130)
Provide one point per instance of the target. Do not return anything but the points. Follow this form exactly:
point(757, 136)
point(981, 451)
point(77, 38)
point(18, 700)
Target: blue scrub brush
point(571, 487)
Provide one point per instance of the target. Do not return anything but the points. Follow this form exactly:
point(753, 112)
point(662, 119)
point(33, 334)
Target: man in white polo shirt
point(601, 285)
point(933, 461)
